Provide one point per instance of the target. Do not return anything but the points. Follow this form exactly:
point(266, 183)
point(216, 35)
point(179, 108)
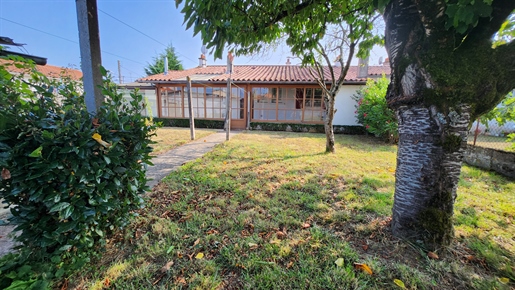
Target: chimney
point(166, 65)
point(386, 62)
point(288, 61)
point(202, 61)
point(363, 68)
point(230, 65)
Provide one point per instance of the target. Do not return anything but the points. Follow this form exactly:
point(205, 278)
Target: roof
point(259, 74)
point(50, 71)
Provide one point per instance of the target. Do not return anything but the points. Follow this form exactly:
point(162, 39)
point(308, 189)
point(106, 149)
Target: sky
point(49, 29)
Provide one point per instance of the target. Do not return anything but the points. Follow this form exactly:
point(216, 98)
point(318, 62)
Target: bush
point(71, 179)
point(373, 113)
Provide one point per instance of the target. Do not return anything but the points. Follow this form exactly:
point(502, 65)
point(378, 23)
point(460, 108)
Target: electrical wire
point(69, 40)
point(143, 33)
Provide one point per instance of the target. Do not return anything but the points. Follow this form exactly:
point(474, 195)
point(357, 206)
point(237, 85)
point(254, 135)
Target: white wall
point(346, 106)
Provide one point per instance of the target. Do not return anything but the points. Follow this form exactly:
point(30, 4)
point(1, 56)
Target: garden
point(255, 216)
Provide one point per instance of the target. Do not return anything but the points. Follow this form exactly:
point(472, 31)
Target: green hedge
point(199, 123)
point(71, 179)
point(313, 128)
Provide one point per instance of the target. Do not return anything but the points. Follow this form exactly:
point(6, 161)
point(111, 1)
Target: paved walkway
point(163, 165)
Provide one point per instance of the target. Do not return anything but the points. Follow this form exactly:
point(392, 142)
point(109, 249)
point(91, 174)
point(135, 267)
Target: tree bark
point(439, 82)
point(328, 123)
point(429, 160)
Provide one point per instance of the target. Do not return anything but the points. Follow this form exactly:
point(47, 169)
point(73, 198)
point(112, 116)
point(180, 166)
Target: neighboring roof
point(50, 71)
point(259, 74)
point(135, 85)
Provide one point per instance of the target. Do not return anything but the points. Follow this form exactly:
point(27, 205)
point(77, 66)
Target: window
point(171, 102)
point(287, 104)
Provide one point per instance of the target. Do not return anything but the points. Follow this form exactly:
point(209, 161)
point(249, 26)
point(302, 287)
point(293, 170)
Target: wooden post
point(476, 132)
point(89, 41)
point(228, 111)
point(190, 110)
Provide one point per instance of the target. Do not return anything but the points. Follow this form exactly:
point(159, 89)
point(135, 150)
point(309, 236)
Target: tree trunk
point(328, 123)
point(430, 152)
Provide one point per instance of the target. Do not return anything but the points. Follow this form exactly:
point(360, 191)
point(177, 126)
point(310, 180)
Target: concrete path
point(163, 165)
point(173, 159)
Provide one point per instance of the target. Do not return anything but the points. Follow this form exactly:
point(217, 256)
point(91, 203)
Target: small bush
point(373, 113)
point(70, 178)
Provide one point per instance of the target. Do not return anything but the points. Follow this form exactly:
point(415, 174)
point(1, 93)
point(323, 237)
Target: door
point(238, 105)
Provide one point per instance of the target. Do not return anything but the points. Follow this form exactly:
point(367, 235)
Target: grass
point(493, 142)
point(168, 138)
point(272, 211)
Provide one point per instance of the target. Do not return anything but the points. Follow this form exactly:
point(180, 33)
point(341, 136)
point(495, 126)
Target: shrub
point(71, 178)
point(373, 113)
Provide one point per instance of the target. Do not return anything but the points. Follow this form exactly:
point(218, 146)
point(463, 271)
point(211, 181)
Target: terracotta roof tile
point(262, 73)
point(50, 71)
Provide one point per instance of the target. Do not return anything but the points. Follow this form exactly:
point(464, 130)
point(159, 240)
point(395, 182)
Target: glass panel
point(318, 98)
point(309, 98)
point(299, 97)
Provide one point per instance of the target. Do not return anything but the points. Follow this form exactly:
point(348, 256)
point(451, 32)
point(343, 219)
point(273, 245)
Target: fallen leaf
point(253, 246)
point(210, 232)
point(95, 123)
point(504, 280)
point(107, 282)
point(204, 140)
point(364, 267)
point(166, 267)
point(199, 256)
point(470, 258)
point(280, 234)
point(289, 265)
point(339, 262)
point(181, 280)
point(365, 247)
point(275, 241)
point(399, 283)
point(432, 255)
point(306, 225)
point(97, 137)
point(196, 242)
point(6, 174)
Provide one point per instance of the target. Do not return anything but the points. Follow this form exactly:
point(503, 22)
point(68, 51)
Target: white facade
point(346, 106)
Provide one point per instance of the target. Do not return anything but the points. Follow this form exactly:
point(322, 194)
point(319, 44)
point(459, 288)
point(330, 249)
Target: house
point(259, 94)
point(50, 71)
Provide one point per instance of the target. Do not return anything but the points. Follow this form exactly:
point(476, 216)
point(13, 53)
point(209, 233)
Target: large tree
point(445, 72)
point(158, 63)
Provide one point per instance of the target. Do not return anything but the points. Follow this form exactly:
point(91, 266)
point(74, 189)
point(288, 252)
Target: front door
point(238, 112)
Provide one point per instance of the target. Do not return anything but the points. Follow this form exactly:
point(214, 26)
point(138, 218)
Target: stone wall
point(501, 162)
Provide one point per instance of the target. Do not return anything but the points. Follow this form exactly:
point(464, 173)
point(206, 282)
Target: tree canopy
point(158, 63)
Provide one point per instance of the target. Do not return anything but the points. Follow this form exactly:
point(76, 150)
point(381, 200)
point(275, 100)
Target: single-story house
point(259, 93)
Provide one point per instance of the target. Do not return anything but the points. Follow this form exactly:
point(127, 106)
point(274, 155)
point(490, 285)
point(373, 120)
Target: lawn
point(493, 142)
point(272, 211)
point(168, 138)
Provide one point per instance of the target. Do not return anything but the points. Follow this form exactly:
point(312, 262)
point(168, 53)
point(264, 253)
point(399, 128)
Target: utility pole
point(119, 73)
point(91, 61)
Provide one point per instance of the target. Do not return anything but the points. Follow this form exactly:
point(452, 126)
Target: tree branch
point(488, 26)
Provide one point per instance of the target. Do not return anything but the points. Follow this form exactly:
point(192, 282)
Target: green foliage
point(199, 123)
point(373, 113)
point(73, 179)
point(158, 65)
point(464, 14)
point(504, 112)
point(313, 128)
point(248, 27)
